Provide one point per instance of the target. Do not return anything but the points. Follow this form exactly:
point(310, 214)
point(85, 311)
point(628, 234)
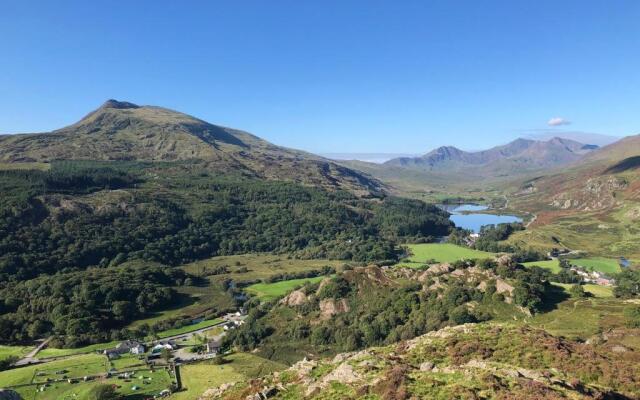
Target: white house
point(138, 349)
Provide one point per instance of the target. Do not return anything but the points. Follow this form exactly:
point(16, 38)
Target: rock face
point(295, 298)
point(506, 260)
point(503, 287)
point(331, 307)
point(6, 394)
point(596, 194)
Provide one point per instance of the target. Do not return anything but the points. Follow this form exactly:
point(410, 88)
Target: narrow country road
point(30, 358)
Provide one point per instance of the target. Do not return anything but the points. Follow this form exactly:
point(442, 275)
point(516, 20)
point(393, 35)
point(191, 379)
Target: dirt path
point(30, 358)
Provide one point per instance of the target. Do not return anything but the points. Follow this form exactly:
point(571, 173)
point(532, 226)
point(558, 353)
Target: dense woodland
point(66, 219)
point(71, 227)
point(85, 305)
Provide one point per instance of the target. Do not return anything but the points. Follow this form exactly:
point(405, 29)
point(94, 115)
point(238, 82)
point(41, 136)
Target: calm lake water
point(473, 221)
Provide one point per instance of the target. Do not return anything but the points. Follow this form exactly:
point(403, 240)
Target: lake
point(468, 216)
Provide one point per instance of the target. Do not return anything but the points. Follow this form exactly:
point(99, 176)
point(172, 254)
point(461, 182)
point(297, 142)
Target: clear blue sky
point(331, 76)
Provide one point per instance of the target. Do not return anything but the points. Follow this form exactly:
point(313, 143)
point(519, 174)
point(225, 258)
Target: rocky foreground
point(472, 361)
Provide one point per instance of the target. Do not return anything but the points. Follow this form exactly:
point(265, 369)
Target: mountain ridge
point(526, 154)
point(124, 131)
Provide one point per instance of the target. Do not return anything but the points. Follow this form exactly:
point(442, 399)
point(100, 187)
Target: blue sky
point(331, 76)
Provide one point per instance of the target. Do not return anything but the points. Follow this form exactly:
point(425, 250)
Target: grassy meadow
point(269, 291)
point(583, 318)
point(31, 379)
point(197, 378)
point(441, 252)
point(597, 291)
point(551, 265)
point(605, 265)
point(13, 351)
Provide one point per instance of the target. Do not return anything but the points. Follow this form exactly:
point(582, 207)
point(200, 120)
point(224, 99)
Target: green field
point(581, 319)
point(442, 252)
point(189, 328)
point(77, 367)
point(13, 351)
point(127, 362)
point(54, 352)
point(606, 265)
point(551, 265)
point(269, 291)
point(197, 378)
point(601, 292)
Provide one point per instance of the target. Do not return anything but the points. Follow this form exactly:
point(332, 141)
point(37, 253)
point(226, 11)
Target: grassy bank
point(269, 291)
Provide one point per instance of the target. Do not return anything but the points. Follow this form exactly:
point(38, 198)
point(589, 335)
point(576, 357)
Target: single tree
point(104, 392)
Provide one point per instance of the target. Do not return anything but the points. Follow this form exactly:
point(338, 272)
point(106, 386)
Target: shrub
point(632, 316)
point(577, 291)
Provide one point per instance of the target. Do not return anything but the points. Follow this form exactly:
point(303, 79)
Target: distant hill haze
point(519, 155)
point(125, 131)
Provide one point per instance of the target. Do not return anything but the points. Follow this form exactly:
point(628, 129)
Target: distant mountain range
point(602, 180)
point(125, 131)
point(519, 155)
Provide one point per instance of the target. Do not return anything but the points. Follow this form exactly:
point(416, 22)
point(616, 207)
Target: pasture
point(551, 265)
point(606, 265)
point(597, 291)
point(442, 252)
point(13, 351)
point(270, 291)
point(581, 319)
point(48, 381)
point(197, 378)
point(79, 366)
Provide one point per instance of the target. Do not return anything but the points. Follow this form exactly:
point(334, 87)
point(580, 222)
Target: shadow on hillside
point(624, 165)
point(553, 296)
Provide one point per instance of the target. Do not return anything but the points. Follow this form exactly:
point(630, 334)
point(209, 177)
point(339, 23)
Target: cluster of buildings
point(135, 347)
point(128, 346)
point(596, 277)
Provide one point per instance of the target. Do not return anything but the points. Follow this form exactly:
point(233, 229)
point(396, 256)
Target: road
point(30, 358)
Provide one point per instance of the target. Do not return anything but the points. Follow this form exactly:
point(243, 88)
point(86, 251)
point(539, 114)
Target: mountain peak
point(111, 103)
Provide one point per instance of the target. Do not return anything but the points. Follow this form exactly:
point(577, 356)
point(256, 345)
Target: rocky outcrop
point(470, 358)
point(596, 194)
point(295, 298)
point(331, 307)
